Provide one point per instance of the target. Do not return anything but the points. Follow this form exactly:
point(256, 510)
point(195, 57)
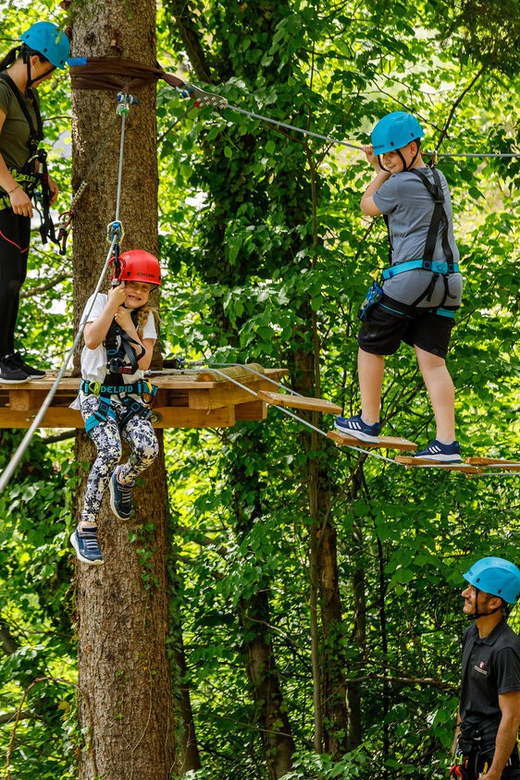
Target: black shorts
point(477, 759)
point(387, 324)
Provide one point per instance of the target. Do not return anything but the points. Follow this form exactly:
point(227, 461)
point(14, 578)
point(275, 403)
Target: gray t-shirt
point(408, 205)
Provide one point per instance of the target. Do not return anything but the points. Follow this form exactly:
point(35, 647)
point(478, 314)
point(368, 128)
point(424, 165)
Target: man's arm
point(509, 704)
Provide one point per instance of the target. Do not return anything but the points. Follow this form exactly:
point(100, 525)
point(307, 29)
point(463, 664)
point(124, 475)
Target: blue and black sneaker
point(120, 496)
point(85, 542)
point(356, 427)
point(441, 453)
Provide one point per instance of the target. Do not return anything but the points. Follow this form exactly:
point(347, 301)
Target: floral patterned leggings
point(138, 433)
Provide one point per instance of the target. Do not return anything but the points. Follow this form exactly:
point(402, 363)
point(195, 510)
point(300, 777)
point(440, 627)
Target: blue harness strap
point(435, 266)
point(105, 408)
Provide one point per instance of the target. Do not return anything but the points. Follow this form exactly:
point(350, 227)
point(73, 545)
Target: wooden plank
point(299, 402)
point(256, 410)
point(55, 417)
point(501, 464)
point(384, 442)
point(410, 462)
point(237, 372)
point(223, 394)
point(182, 417)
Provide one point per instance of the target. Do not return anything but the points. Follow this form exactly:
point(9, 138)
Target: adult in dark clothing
point(43, 49)
point(489, 710)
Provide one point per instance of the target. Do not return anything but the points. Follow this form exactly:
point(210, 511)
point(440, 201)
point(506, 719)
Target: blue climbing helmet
point(495, 576)
point(394, 131)
point(49, 41)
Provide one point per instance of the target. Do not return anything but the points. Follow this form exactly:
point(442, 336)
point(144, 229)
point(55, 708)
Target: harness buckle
point(427, 265)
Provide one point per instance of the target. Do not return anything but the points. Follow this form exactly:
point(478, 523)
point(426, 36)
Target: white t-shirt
point(94, 361)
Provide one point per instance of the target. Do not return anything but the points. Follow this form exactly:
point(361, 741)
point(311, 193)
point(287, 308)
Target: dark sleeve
point(507, 670)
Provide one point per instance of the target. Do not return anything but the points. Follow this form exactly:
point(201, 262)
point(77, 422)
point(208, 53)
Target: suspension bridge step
point(494, 463)
point(411, 462)
point(299, 402)
point(385, 442)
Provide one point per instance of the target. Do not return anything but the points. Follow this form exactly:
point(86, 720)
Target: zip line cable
point(331, 139)
point(115, 231)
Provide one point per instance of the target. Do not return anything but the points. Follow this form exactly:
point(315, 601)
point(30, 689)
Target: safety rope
point(331, 139)
point(113, 73)
point(115, 235)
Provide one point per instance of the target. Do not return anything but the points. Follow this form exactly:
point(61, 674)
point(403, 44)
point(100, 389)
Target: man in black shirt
point(489, 710)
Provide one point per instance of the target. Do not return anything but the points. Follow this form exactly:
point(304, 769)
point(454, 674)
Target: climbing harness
point(34, 174)
point(122, 359)
point(132, 406)
point(426, 263)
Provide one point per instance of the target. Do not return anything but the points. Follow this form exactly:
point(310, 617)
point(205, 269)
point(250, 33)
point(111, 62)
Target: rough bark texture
point(126, 708)
point(271, 710)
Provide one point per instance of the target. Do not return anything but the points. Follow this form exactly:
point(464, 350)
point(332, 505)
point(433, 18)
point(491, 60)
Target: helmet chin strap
point(476, 614)
point(30, 81)
point(405, 166)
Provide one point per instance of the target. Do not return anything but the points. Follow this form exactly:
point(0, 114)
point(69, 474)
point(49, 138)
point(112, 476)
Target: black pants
point(15, 232)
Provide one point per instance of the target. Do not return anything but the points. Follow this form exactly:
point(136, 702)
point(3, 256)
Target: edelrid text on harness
point(122, 359)
point(427, 262)
point(34, 172)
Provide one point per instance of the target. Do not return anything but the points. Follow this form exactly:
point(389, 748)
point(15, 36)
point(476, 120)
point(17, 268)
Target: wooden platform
point(493, 464)
point(424, 463)
point(185, 399)
point(299, 402)
point(385, 442)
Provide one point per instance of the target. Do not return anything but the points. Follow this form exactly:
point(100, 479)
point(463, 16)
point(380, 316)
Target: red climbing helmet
point(136, 265)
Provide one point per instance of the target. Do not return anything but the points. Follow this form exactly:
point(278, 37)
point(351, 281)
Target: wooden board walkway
point(185, 399)
point(299, 402)
point(494, 464)
point(385, 442)
point(411, 462)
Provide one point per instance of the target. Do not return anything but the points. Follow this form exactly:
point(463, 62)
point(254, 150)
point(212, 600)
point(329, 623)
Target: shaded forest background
point(316, 590)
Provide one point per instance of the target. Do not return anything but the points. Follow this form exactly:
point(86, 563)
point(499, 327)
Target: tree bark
point(127, 708)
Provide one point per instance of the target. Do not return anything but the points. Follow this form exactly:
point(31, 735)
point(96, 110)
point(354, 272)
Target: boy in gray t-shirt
point(422, 288)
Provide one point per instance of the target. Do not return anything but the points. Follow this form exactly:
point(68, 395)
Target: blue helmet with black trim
point(495, 576)
point(49, 41)
point(394, 131)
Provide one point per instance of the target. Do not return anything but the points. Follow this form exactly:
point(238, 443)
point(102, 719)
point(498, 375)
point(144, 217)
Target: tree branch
point(47, 286)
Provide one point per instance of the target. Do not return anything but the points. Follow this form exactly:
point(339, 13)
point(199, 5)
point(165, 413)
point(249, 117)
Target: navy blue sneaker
point(86, 545)
point(120, 497)
point(441, 453)
point(355, 426)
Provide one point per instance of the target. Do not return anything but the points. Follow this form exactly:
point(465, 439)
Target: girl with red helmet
point(119, 336)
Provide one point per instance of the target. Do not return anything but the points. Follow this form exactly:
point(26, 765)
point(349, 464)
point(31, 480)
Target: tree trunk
point(126, 707)
point(271, 711)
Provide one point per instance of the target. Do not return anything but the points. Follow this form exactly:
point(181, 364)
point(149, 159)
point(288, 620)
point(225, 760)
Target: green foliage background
point(262, 265)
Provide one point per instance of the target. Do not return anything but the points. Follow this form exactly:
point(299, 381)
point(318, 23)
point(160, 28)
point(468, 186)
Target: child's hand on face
point(123, 318)
point(117, 295)
point(371, 157)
